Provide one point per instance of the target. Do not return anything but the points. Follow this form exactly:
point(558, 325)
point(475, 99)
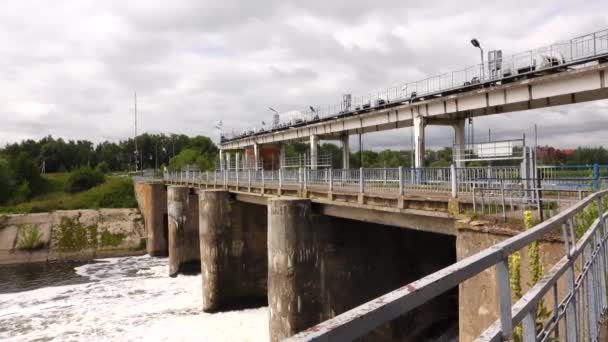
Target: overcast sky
point(70, 68)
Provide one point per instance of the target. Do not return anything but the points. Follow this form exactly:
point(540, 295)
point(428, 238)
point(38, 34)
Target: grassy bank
point(115, 192)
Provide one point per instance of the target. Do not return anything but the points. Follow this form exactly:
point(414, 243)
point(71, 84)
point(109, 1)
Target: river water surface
point(117, 299)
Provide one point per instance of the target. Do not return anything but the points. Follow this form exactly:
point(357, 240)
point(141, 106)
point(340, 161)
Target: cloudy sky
point(70, 68)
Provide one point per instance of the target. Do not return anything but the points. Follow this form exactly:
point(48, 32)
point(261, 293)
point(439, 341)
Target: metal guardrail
point(557, 56)
point(396, 181)
point(576, 316)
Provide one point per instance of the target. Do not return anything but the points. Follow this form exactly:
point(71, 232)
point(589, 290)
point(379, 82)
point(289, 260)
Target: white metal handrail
point(590, 283)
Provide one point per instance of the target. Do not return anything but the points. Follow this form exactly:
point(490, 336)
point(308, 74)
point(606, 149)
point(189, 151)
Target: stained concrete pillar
point(314, 148)
point(233, 247)
point(221, 160)
point(184, 247)
point(282, 156)
point(155, 221)
point(256, 156)
point(345, 152)
point(419, 124)
point(237, 157)
point(152, 202)
point(459, 143)
point(293, 275)
point(228, 160)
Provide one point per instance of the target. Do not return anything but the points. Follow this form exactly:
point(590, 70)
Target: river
point(117, 299)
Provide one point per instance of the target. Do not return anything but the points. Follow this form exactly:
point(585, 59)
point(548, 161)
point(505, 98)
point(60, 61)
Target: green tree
point(8, 185)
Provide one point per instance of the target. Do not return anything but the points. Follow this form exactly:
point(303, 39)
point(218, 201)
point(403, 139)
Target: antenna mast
point(136, 151)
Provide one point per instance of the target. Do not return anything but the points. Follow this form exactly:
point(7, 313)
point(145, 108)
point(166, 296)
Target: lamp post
point(476, 44)
point(275, 117)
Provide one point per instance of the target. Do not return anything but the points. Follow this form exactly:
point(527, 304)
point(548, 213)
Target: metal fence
point(404, 180)
point(576, 315)
point(558, 55)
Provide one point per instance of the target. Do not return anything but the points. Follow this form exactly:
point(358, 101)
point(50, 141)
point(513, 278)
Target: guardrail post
point(238, 173)
point(596, 177)
point(226, 175)
point(504, 298)
point(454, 180)
point(529, 327)
point(331, 180)
point(249, 180)
point(361, 186)
point(280, 181)
point(400, 180)
point(300, 182)
point(263, 181)
point(304, 179)
point(571, 311)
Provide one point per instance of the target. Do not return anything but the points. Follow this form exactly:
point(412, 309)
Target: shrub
point(83, 179)
point(103, 167)
point(29, 237)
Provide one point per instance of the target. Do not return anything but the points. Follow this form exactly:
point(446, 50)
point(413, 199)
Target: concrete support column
point(152, 201)
point(345, 152)
point(222, 160)
point(233, 248)
point(184, 249)
point(256, 156)
point(282, 156)
point(293, 274)
point(419, 124)
point(228, 160)
point(314, 148)
point(237, 157)
point(459, 141)
point(214, 221)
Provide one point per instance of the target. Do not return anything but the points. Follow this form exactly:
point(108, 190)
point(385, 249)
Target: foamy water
point(128, 299)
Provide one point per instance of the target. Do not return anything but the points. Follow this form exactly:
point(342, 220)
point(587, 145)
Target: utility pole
point(136, 151)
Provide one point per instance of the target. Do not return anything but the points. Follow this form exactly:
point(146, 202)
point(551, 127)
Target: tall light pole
point(476, 44)
point(136, 151)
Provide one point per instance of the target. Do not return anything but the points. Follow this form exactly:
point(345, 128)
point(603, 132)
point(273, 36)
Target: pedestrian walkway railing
point(400, 181)
point(576, 312)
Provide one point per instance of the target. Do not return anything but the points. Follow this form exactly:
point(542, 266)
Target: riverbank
point(71, 235)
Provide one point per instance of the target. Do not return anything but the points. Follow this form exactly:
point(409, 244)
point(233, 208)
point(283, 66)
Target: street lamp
point(476, 44)
point(275, 117)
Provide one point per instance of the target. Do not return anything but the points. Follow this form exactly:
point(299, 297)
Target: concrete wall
point(321, 266)
point(478, 296)
point(71, 234)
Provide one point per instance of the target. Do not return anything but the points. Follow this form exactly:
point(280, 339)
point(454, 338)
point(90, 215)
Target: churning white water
point(127, 299)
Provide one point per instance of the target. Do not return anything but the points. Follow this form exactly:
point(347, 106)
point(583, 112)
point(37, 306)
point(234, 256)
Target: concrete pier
point(233, 251)
point(293, 284)
point(152, 201)
point(184, 249)
point(320, 266)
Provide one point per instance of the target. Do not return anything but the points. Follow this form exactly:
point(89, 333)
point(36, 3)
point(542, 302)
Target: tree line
point(153, 151)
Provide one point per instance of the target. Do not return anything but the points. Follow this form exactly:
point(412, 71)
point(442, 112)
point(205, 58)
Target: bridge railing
point(576, 315)
point(574, 51)
point(400, 181)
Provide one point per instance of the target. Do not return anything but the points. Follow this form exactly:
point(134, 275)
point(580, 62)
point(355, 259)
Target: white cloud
point(70, 68)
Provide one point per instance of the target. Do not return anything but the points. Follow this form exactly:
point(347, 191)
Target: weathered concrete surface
point(321, 266)
point(152, 201)
point(184, 246)
point(233, 251)
point(478, 307)
point(293, 280)
point(71, 234)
